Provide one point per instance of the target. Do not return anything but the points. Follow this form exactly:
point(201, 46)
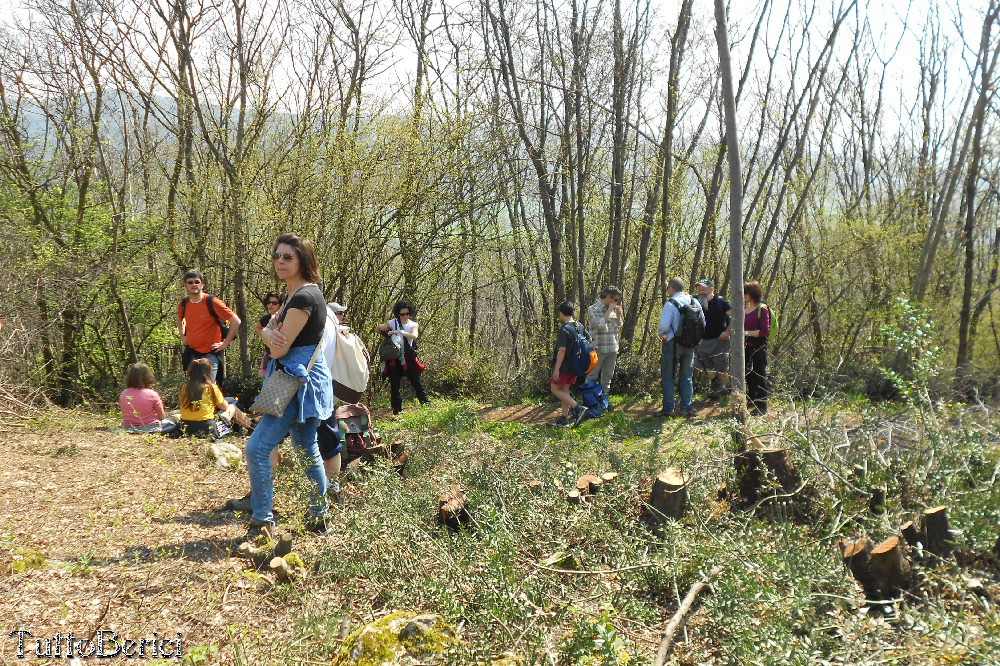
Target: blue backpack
point(582, 356)
point(594, 399)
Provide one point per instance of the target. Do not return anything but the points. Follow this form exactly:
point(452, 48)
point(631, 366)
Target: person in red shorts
point(562, 376)
point(202, 320)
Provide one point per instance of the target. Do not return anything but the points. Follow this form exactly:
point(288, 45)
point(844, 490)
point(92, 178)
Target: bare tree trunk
point(963, 359)
point(737, 355)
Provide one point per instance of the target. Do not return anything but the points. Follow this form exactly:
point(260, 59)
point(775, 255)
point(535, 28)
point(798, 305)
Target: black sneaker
point(562, 421)
point(259, 527)
point(687, 413)
point(242, 504)
point(578, 413)
point(314, 524)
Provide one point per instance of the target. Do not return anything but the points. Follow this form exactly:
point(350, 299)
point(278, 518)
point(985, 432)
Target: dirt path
point(121, 532)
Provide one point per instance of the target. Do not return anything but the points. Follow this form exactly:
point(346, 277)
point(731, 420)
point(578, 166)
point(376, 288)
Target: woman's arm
point(158, 408)
point(280, 339)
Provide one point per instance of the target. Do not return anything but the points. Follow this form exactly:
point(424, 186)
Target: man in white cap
point(713, 350)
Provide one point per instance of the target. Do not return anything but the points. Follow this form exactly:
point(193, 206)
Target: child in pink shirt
point(142, 407)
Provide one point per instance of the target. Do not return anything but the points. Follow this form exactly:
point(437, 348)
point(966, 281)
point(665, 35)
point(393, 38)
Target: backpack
point(409, 346)
point(594, 399)
point(692, 328)
point(355, 425)
point(347, 359)
point(582, 355)
point(774, 321)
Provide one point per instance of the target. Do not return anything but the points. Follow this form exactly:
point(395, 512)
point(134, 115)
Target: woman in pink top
point(757, 326)
point(142, 407)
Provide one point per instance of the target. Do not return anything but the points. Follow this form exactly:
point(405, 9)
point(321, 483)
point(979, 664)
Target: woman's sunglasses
point(287, 256)
point(273, 303)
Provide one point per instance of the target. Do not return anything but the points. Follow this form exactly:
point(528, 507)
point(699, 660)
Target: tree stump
point(749, 478)
point(936, 531)
point(889, 569)
point(911, 534)
point(668, 498)
point(876, 504)
point(284, 545)
point(453, 511)
point(281, 569)
point(609, 477)
point(573, 496)
point(779, 463)
point(589, 485)
point(856, 555)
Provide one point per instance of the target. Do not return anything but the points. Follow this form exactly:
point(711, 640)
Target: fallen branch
point(675, 621)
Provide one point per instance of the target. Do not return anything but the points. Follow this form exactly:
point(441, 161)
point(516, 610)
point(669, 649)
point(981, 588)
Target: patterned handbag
point(278, 390)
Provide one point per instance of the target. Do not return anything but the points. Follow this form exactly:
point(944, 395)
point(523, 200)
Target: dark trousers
point(412, 373)
point(756, 364)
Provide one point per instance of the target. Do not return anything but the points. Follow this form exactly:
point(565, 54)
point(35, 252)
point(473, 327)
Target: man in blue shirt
point(672, 352)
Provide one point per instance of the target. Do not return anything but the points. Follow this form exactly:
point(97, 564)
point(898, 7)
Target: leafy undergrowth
point(539, 580)
point(551, 582)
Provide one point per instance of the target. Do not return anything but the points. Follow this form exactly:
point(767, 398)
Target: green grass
point(783, 596)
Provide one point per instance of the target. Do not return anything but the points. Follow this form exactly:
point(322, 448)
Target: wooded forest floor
point(128, 533)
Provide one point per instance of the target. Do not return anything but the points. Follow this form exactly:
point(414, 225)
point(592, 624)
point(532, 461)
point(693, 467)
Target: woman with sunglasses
point(271, 301)
point(292, 336)
point(406, 331)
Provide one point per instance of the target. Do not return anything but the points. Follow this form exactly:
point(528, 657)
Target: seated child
point(142, 407)
point(199, 400)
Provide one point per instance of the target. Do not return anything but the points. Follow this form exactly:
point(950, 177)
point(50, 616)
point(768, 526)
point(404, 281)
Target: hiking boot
point(337, 499)
point(315, 524)
point(241, 504)
point(664, 414)
point(714, 388)
point(687, 413)
point(562, 421)
point(578, 413)
point(259, 527)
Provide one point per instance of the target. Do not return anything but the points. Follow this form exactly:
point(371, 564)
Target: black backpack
point(692, 328)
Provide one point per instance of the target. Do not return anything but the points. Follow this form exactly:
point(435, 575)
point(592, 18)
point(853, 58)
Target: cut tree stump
point(668, 498)
point(936, 531)
point(889, 569)
point(779, 463)
point(589, 485)
point(856, 555)
point(609, 477)
point(281, 569)
point(453, 511)
point(749, 478)
point(284, 545)
point(911, 534)
point(573, 496)
point(877, 502)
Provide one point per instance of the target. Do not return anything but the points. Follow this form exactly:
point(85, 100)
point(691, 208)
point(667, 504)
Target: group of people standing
point(710, 354)
point(292, 332)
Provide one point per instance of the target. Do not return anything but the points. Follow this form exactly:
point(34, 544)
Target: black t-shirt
point(716, 319)
point(310, 300)
point(564, 340)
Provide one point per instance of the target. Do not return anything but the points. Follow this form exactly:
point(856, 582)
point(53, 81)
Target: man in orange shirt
point(202, 322)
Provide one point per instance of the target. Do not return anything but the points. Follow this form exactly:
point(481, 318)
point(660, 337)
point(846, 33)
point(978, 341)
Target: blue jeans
point(268, 434)
point(685, 363)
